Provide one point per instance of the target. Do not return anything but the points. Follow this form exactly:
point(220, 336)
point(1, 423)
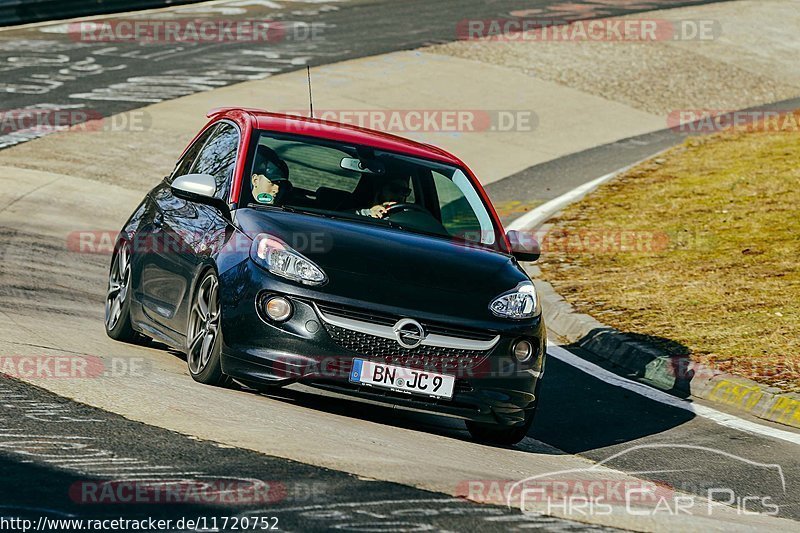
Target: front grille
point(426, 357)
point(383, 319)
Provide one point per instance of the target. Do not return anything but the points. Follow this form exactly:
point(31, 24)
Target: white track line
point(538, 216)
point(723, 419)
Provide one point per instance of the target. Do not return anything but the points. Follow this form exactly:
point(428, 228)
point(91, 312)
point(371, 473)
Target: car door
point(185, 232)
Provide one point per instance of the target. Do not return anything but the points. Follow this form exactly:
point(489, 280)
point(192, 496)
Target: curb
point(643, 361)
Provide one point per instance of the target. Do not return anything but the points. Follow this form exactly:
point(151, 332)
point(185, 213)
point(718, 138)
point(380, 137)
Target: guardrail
point(14, 12)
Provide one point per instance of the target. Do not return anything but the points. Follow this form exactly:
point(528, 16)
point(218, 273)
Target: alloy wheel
point(203, 324)
point(118, 284)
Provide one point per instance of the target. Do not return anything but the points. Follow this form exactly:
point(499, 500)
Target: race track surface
point(331, 462)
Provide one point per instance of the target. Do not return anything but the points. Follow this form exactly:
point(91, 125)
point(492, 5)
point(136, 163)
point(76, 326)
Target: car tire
point(500, 435)
point(506, 435)
point(204, 333)
point(261, 388)
point(118, 298)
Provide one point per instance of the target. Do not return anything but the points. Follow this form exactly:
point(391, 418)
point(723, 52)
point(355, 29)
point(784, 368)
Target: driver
point(392, 191)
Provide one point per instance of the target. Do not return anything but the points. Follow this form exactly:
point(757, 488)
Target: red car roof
point(345, 133)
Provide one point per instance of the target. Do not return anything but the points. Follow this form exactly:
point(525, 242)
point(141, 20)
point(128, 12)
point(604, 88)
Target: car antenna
point(310, 99)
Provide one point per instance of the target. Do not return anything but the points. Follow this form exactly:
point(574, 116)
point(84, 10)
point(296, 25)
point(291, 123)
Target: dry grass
point(719, 223)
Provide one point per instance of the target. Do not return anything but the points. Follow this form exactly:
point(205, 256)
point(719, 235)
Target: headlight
point(520, 303)
point(280, 259)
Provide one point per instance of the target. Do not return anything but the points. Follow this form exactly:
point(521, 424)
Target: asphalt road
point(63, 460)
point(585, 416)
point(43, 436)
point(46, 67)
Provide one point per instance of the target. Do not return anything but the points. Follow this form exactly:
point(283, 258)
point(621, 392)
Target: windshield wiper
point(272, 206)
point(370, 220)
point(354, 218)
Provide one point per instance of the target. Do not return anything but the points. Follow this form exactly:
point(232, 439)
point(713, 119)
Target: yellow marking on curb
point(787, 411)
point(735, 394)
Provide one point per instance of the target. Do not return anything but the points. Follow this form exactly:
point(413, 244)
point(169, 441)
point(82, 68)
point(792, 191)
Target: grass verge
point(699, 247)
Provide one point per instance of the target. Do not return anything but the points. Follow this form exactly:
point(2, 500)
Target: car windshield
point(368, 185)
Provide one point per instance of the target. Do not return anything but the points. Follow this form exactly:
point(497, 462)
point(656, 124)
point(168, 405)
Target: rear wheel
point(204, 335)
point(118, 298)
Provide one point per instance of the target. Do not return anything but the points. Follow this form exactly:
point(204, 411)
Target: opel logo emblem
point(409, 333)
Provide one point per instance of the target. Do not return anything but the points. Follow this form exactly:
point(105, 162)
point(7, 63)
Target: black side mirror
point(524, 245)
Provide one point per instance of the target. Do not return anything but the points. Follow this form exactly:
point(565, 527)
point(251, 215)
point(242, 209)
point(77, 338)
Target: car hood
point(390, 267)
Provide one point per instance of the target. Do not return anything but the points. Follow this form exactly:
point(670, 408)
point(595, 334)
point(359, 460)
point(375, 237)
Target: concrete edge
point(646, 362)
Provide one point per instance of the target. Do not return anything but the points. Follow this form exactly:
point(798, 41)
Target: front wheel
point(118, 297)
point(500, 435)
point(204, 335)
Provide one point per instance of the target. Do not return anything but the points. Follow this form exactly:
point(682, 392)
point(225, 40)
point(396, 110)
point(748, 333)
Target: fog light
point(523, 350)
point(278, 308)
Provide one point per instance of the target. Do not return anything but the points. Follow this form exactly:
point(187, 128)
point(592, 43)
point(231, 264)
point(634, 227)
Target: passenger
point(270, 179)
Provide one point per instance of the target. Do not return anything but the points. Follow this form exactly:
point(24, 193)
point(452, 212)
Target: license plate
point(401, 379)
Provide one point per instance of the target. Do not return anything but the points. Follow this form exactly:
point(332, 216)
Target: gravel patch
point(734, 71)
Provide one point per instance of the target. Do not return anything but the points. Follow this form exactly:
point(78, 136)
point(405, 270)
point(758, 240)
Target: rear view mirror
point(524, 245)
point(371, 166)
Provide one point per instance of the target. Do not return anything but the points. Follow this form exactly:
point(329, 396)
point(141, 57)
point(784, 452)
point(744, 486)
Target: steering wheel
point(399, 208)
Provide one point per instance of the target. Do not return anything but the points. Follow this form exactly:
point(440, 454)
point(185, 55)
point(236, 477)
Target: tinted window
point(185, 164)
point(368, 185)
point(458, 216)
point(312, 166)
point(218, 157)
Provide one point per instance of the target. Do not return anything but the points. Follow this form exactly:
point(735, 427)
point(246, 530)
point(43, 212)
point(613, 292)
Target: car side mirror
point(524, 245)
point(199, 188)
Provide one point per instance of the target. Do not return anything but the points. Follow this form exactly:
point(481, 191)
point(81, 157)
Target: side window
point(185, 164)
point(218, 157)
point(458, 214)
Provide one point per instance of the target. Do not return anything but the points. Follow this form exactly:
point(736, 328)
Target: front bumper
point(490, 387)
